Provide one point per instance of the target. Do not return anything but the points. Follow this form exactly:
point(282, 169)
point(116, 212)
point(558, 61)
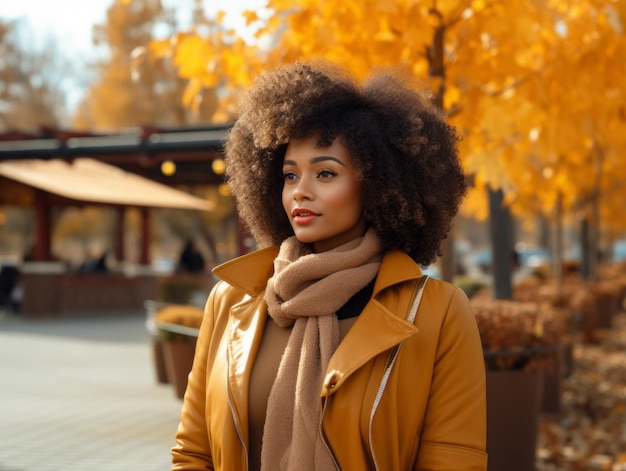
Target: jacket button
point(333, 379)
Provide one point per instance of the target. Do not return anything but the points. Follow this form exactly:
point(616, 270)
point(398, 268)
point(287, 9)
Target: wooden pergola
point(139, 153)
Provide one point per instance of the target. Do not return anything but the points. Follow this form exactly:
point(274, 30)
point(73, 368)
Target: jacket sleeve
point(192, 450)
point(455, 425)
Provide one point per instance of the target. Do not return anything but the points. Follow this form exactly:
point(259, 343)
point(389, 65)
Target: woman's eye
point(326, 174)
point(289, 175)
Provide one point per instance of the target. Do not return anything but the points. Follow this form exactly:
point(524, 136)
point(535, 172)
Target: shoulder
point(447, 307)
point(444, 293)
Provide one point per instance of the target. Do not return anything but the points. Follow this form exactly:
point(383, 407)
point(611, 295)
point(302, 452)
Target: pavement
point(80, 393)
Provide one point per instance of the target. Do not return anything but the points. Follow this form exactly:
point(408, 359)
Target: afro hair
point(405, 153)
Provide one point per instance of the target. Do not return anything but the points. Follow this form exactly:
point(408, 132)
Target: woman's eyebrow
point(322, 158)
point(315, 160)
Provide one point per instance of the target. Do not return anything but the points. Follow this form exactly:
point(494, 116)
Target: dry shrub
point(518, 335)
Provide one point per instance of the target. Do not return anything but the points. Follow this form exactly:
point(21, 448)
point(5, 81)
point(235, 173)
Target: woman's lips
point(302, 216)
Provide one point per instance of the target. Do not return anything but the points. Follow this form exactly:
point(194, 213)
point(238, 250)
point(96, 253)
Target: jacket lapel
point(245, 326)
point(375, 331)
point(245, 330)
point(382, 323)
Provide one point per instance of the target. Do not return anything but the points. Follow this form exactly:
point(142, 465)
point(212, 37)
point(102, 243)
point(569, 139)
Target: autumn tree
point(31, 82)
point(564, 122)
point(133, 88)
point(32, 96)
point(136, 88)
point(534, 87)
point(498, 69)
point(212, 56)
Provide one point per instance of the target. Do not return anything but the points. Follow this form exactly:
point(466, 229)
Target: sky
point(69, 22)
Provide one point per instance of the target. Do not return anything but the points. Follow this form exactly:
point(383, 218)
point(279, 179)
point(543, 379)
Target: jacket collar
point(250, 272)
point(396, 267)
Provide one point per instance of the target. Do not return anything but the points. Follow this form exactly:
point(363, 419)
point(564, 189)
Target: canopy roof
point(89, 180)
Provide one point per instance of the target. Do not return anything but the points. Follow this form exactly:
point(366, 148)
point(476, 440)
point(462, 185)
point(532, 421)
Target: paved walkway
point(81, 394)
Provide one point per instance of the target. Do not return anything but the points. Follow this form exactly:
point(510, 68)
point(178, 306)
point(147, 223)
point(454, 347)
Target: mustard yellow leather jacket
point(429, 415)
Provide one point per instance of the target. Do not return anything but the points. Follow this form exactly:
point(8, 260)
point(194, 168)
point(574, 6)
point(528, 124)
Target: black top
point(356, 303)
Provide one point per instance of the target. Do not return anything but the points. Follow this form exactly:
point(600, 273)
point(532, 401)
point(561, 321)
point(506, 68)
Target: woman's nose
point(302, 191)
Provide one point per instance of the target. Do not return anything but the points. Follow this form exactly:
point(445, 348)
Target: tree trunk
point(594, 232)
point(585, 263)
point(502, 247)
point(557, 257)
point(544, 231)
point(437, 70)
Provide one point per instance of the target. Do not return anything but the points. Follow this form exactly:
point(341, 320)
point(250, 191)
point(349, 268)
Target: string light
point(168, 168)
point(223, 189)
point(218, 166)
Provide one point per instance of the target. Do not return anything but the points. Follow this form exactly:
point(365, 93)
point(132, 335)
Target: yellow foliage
point(478, 5)
point(191, 91)
point(250, 16)
point(452, 97)
point(193, 56)
point(526, 83)
point(418, 31)
point(384, 34)
point(160, 48)
point(475, 205)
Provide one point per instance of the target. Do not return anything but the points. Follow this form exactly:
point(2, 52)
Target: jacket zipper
point(415, 302)
point(381, 389)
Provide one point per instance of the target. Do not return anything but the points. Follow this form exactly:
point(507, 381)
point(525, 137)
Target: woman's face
point(321, 194)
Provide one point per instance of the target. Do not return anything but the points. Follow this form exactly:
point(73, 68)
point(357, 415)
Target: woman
point(309, 357)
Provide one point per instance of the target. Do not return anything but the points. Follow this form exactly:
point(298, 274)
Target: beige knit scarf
point(305, 292)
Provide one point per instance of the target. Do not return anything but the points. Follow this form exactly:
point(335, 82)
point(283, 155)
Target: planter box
point(605, 310)
point(178, 352)
point(551, 394)
point(158, 359)
point(514, 401)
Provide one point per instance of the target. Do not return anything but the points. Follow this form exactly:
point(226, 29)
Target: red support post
point(145, 237)
point(43, 228)
point(119, 234)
